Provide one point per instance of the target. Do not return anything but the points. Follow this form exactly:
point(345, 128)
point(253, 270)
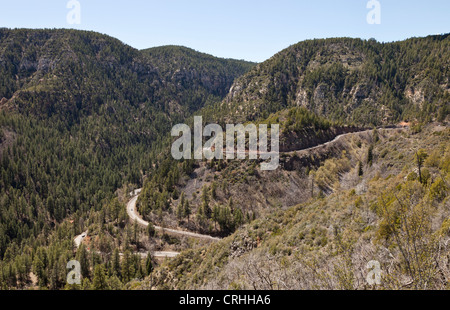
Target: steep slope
point(82, 115)
point(212, 75)
point(224, 194)
point(390, 213)
point(352, 80)
point(343, 81)
point(67, 72)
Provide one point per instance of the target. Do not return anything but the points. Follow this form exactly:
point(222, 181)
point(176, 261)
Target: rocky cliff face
point(348, 80)
point(70, 70)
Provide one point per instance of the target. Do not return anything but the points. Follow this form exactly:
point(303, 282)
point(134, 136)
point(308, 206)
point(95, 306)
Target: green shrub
point(358, 202)
point(412, 176)
point(438, 190)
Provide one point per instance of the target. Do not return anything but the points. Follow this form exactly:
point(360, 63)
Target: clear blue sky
point(243, 29)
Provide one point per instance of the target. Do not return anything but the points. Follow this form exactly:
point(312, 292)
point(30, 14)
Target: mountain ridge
point(88, 63)
point(347, 79)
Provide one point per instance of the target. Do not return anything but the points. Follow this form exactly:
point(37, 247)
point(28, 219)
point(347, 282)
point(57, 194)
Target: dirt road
point(134, 216)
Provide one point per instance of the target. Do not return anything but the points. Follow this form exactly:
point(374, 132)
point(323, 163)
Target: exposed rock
point(320, 98)
point(415, 95)
point(360, 92)
point(302, 98)
point(241, 245)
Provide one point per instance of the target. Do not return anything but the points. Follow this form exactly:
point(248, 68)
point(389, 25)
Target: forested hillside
point(383, 199)
point(326, 212)
point(212, 75)
point(216, 197)
point(81, 116)
point(352, 80)
point(315, 90)
point(76, 73)
point(85, 119)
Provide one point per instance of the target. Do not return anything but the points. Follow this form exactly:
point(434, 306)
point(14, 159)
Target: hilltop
point(350, 80)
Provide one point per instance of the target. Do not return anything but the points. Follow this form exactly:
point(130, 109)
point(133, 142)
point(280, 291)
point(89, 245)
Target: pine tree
point(201, 212)
point(214, 190)
point(238, 218)
point(360, 169)
point(99, 281)
point(82, 257)
point(135, 232)
point(39, 271)
point(421, 155)
point(139, 272)
point(312, 175)
point(54, 277)
point(151, 231)
point(116, 262)
point(149, 264)
point(206, 210)
point(180, 207)
point(231, 204)
point(187, 209)
point(216, 215)
point(204, 197)
point(370, 155)
point(127, 267)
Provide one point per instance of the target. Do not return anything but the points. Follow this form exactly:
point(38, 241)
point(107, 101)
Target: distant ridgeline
point(73, 73)
point(351, 80)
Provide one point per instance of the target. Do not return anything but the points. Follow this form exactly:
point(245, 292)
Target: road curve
point(159, 254)
point(339, 137)
point(132, 212)
point(78, 239)
point(131, 206)
point(134, 216)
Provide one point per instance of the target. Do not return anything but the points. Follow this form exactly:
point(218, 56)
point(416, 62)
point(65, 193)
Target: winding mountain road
point(160, 254)
point(336, 139)
point(134, 216)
